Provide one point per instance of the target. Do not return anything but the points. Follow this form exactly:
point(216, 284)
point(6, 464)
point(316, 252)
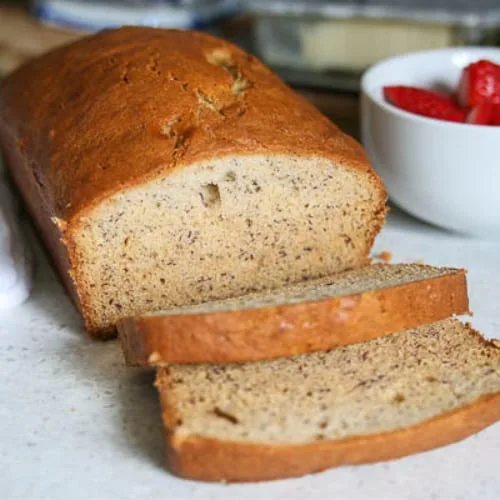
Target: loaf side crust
point(286, 330)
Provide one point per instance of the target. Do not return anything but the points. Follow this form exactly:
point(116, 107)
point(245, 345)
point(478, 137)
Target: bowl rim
point(377, 99)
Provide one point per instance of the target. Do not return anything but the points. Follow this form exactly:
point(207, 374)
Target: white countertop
point(76, 424)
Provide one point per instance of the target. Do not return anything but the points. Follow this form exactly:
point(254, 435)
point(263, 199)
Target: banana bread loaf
point(167, 168)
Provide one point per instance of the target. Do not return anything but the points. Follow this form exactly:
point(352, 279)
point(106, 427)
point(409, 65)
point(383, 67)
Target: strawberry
point(480, 82)
point(424, 102)
point(482, 114)
point(495, 115)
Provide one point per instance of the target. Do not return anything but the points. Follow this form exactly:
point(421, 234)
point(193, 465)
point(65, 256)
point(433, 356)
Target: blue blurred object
point(95, 15)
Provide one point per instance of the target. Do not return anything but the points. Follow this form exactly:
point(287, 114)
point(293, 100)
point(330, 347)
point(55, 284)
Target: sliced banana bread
point(380, 400)
point(351, 307)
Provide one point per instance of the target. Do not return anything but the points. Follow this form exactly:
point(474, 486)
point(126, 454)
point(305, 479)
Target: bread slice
point(380, 400)
point(351, 307)
point(167, 168)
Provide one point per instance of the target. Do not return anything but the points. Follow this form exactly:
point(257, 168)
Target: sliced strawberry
point(462, 92)
point(495, 115)
point(424, 102)
point(482, 114)
point(480, 82)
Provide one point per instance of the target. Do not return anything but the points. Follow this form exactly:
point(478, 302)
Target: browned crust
point(164, 77)
point(135, 110)
point(271, 332)
point(207, 459)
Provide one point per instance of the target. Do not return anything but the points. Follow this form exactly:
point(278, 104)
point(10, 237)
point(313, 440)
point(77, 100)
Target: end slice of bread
point(387, 398)
point(347, 308)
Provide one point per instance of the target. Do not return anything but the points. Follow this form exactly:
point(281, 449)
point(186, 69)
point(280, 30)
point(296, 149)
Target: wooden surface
point(341, 108)
point(22, 37)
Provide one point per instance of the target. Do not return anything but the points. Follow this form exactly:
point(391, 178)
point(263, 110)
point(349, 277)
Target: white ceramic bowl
point(445, 173)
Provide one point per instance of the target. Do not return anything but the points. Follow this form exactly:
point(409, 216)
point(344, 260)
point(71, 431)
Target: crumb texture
point(382, 385)
point(221, 229)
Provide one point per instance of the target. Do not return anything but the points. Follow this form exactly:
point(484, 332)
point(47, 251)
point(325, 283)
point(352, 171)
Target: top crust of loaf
point(130, 105)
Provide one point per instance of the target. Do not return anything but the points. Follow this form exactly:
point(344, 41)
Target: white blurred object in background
point(15, 258)
point(93, 15)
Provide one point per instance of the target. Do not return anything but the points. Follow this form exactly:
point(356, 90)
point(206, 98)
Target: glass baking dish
point(330, 42)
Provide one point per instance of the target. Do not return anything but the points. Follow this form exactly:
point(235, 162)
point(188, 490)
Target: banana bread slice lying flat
point(347, 308)
point(383, 399)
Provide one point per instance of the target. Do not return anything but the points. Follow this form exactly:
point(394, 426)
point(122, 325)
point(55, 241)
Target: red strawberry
point(482, 114)
point(424, 102)
point(495, 115)
point(480, 82)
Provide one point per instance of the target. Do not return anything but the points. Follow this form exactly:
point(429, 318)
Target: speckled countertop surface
point(76, 424)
